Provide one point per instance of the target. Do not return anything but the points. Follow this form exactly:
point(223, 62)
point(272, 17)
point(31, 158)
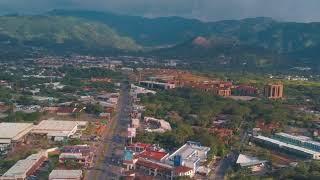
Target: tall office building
point(273, 90)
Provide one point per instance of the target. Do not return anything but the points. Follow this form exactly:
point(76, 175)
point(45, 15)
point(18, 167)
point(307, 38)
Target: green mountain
point(61, 34)
point(283, 37)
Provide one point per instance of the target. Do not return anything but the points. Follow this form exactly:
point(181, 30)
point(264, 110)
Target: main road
point(108, 164)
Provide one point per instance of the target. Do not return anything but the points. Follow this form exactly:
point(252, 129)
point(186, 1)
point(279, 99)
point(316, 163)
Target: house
point(58, 130)
point(12, 134)
point(66, 175)
point(25, 168)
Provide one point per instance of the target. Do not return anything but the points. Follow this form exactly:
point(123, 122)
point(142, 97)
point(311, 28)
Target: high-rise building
point(273, 90)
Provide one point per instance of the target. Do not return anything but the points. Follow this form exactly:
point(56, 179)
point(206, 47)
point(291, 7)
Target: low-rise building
point(58, 130)
point(157, 85)
point(25, 168)
point(252, 163)
point(287, 147)
point(66, 175)
point(81, 154)
point(156, 125)
point(190, 155)
point(12, 134)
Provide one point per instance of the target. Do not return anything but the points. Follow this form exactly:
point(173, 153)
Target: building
point(156, 125)
point(245, 90)
point(190, 155)
point(252, 163)
point(302, 141)
point(81, 154)
point(66, 175)
point(222, 91)
point(25, 168)
point(287, 147)
point(157, 85)
point(12, 134)
point(151, 160)
point(58, 130)
point(273, 91)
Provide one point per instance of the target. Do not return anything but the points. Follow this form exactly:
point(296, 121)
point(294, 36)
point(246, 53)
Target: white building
point(253, 163)
point(12, 133)
point(58, 130)
point(190, 155)
point(66, 175)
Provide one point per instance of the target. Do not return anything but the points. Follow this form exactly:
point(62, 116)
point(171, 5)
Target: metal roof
point(14, 131)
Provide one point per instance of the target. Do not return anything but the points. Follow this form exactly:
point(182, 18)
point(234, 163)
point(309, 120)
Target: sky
point(207, 10)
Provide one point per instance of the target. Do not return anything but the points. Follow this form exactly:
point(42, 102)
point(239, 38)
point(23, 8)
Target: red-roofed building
point(183, 171)
point(153, 155)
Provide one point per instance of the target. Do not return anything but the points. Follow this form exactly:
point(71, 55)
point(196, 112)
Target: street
point(109, 163)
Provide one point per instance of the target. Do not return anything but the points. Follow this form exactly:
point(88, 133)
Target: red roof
point(153, 155)
point(182, 169)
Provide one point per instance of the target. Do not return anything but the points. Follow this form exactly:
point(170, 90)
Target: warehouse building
point(57, 130)
point(287, 147)
point(302, 141)
point(25, 168)
point(12, 134)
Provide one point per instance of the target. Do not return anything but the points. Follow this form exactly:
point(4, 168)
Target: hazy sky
point(210, 10)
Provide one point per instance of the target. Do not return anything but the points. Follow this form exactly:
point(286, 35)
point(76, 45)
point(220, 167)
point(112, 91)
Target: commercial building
point(66, 175)
point(81, 154)
point(157, 85)
point(58, 130)
point(151, 160)
point(25, 168)
point(12, 134)
point(273, 91)
point(302, 141)
point(190, 155)
point(287, 147)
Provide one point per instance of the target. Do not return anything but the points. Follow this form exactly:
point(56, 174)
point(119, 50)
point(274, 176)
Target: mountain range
point(87, 31)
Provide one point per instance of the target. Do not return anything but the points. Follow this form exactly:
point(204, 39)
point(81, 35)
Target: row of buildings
point(26, 168)
point(150, 160)
point(170, 79)
point(13, 134)
point(301, 146)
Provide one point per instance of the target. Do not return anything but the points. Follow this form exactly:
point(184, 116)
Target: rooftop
point(153, 155)
point(301, 149)
point(65, 174)
point(57, 127)
point(14, 131)
point(21, 168)
point(245, 160)
point(191, 152)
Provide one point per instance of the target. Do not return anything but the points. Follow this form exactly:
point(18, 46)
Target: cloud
point(210, 10)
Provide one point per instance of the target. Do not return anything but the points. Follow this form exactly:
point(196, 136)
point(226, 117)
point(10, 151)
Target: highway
point(109, 164)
